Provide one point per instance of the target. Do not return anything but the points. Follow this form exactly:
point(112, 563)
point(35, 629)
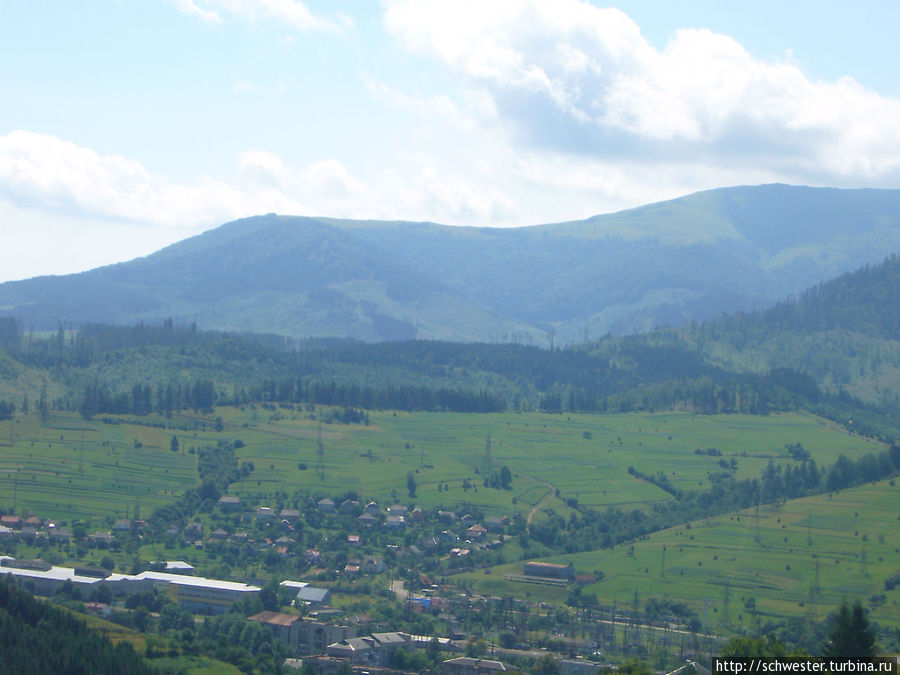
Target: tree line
point(36, 637)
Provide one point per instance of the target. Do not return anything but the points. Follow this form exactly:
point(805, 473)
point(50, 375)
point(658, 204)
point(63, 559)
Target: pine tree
point(852, 635)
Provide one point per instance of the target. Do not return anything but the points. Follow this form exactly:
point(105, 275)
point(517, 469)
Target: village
point(405, 557)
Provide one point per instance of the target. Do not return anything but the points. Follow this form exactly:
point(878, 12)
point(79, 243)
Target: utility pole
point(756, 532)
point(809, 529)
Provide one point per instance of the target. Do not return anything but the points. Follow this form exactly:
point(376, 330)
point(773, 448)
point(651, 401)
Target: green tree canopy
point(852, 635)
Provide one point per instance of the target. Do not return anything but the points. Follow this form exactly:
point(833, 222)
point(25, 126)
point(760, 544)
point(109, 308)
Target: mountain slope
point(691, 258)
point(844, 333)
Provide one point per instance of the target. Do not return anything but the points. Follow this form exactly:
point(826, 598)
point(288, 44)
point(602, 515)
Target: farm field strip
point(581, 456)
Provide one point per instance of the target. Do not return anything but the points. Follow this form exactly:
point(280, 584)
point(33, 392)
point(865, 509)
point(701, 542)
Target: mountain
point(731, 249)
point(844, 333)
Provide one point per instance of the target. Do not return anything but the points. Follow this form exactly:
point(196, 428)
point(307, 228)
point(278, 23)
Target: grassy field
point(799, 559)
point(66, 467)
point(581, 456)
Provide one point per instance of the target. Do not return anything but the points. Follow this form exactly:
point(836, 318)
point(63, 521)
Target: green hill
point(667, 263)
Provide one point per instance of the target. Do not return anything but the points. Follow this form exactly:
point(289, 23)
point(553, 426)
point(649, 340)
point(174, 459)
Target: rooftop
point(275, 618)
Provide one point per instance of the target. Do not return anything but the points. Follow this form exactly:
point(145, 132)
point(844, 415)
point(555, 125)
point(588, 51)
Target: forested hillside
point(732, 249)
point(36, 637)
point(843, 333)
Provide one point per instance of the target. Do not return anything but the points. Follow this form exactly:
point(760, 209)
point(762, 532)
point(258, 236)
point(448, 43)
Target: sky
point(127, 125)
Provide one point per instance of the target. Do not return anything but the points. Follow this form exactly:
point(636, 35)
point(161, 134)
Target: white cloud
point(566, 76)
point(190, 7)
point(44, 172)
point(293, 13)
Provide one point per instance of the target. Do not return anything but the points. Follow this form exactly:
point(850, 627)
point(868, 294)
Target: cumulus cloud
point(45, 172)
point(571, 77)
point(293, 13)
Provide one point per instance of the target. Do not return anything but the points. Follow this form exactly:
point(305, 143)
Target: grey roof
point(312, 594)
point(480, 664)
point(358, 643)
point(390, 638)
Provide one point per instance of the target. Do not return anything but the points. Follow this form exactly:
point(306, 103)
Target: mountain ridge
point(690, 258)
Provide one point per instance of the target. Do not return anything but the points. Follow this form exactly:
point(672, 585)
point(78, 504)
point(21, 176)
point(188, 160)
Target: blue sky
point(127, 125)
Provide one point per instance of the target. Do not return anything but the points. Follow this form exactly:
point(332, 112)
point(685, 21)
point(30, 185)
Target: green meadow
point(585, 457)
point(799, 559)
point(67, 467)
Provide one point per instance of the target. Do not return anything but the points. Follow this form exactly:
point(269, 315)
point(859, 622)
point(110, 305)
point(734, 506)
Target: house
point(388, 643)
point(123, 525)
point(350, 507)
point(179, 567)
point(229, 503)
point(395, 522)
point(325, 505)
point(417, 515)
point(290, 515)
point(312, 556)
point(372, 564)
point(218, 535)
point(283, 626)
point(315, 636)
point(373, 508)
point(398, 510)
point(353, 539)
point(376, 649)
point(464, 665)
point(549, 570)
point(265, 513)
point(446, 516)
point(476, 532)
point(12, 522)
point(313, 595)
point(356, 650)
point(60, 535)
